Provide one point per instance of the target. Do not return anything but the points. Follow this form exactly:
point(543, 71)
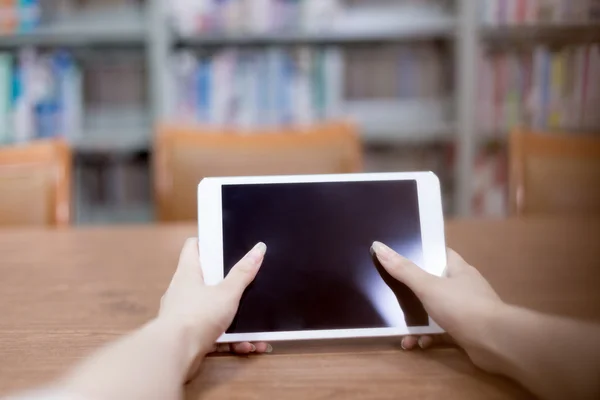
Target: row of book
point(19, 15)
point(258, 16)
point(550, 89)
point(40, 96)
point(396, 71)
point(271, 16)
point(249, 88)
point(25, 16)
point(277, 86)
point(519, 12)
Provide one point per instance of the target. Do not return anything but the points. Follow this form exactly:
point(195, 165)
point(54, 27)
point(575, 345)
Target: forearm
point(150, 363)
point(554, 357)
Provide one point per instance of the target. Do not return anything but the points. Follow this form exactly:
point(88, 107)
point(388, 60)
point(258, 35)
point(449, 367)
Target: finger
point(262, 347)
point(455, 263)
point(402, 269)
point(244, 272)
point(189, 260)
point(426, 342)
point(409, 342)
point(243, 348)
point(222, 348)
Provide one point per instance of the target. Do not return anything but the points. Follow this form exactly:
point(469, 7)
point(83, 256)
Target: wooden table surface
point(64, 293)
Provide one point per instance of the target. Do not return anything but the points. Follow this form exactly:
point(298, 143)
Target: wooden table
point(64, 293)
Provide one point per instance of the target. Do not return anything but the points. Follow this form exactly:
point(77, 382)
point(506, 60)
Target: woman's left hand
point(207, 311)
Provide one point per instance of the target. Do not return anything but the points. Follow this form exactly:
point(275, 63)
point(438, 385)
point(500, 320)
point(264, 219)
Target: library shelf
point(439, 28)
point(402, 121)
point(111, 27)
point(562, 32)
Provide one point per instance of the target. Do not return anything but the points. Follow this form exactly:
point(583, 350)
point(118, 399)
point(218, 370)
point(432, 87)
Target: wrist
point(483, 346)
point(192, 342)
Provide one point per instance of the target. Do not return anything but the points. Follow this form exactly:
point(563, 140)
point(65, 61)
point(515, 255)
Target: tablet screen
point(318, 273)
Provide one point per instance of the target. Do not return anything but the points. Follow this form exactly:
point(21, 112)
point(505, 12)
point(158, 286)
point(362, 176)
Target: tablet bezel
point(210, 242)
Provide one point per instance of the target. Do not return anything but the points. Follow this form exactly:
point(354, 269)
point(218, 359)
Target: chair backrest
point(554, 173)
point(185, 155)
point(35, 184)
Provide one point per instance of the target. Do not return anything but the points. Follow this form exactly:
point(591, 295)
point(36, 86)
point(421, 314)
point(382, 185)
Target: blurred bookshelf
point(538, 68)
point(555, 32)
point(421, 121)
point(116, 25)
point(441, 27)
point(115, 131)
point(110, 127)
point(410, 73)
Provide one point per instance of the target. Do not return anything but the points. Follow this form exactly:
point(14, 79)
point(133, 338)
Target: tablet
point(318, 279)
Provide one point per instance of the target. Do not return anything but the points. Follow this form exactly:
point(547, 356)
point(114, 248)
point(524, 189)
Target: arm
point(154, 361)
point(554, 357)
point(148, 363)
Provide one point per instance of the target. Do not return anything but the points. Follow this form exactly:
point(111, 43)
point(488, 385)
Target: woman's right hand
point(461, 302)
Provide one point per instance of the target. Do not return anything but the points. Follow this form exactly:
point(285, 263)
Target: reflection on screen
point(318, 272)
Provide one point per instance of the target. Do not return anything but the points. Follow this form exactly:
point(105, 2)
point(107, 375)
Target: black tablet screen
point(318, 272)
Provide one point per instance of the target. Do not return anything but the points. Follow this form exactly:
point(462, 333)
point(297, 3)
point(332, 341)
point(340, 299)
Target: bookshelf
point(394, 123)
point(422, 121)
point(545, 32)
point(440, 28)
point(111, 26)
point(118, 135)
point(121, 133)
point(537, 62)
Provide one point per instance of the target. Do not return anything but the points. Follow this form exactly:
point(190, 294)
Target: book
point(8, 16)
point(69, 95)
point(333, 80)
point(557, 90)
point(545, 88)
point(6, 72)
point(592, 100)
point(28, 15)
point(258, 88)
point(519, 12)
point(41, 96)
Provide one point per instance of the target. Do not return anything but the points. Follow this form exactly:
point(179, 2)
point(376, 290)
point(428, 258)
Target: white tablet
point(318, 279)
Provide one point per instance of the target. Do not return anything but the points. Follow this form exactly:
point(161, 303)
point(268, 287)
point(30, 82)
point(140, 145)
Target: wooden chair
point(184, 155)
point(35, 184)
point(554, 173)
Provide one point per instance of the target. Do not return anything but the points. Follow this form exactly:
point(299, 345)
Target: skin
point(554, 357)
point(155, 361)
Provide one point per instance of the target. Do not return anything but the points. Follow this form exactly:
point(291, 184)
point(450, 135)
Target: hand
point(209, 310)
point(460, 303)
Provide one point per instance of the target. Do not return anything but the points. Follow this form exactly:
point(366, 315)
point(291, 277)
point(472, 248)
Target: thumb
point(402, 268)
point(244, 272)
point(189, 260)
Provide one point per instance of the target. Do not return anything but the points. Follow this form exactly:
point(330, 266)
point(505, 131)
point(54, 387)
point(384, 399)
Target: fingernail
point(402, 345)
point(269, 349)
point(383, 252)
point(258, 252)
point(252, 348)
point(425, 342)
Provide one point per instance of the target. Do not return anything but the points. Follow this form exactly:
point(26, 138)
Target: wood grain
point(64, 293)
point(35, 184)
